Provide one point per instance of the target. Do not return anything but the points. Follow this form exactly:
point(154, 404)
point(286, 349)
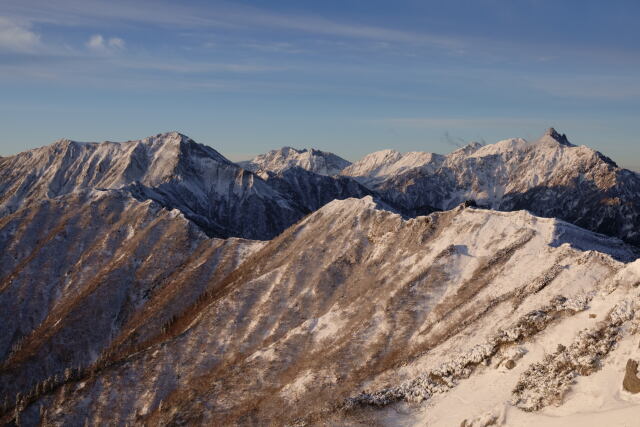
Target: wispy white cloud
point(17, 37)
point(98, 43)
point(82, 13)
point(116, 43)
point(329, 27)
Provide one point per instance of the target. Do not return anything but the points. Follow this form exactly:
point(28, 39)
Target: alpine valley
point(156, 282)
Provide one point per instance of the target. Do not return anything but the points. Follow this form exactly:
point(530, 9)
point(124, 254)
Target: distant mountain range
point(260, 198)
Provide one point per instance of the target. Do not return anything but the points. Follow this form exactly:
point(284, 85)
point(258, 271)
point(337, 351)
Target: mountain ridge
point(550, 177)
point(169, 168)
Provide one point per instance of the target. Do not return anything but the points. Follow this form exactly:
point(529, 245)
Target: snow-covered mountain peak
point(499, 148)
point(167, 137)
point(379, 165)
point(468, 149)
point(286, 150)
point(381, 157)
point(176, 146)
point(313, 160)
point(550, 141)
point(351, 204)
point(163, 140)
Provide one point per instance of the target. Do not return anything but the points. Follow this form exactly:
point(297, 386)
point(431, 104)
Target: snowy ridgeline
point(355, 315)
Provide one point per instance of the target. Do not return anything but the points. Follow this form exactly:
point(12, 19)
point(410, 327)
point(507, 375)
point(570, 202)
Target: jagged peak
point(553, 136)
point(551, 133)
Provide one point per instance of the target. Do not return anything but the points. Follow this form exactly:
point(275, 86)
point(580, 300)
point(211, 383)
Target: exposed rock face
point(631, 382)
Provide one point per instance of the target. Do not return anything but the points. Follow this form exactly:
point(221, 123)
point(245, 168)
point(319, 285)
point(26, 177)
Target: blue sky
point(345, 76)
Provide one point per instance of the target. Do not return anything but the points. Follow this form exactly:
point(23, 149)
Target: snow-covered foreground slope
point(549, 177)
point(171, 169)
point(356, 316)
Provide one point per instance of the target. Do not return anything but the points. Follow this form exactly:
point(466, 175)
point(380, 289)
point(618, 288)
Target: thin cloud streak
point(603, 87)
point(230, 16)
point(459, 122)
point(88, 12)
point(199, 67)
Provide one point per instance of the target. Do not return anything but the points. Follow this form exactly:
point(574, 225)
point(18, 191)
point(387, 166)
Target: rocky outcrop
point(631, 382)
